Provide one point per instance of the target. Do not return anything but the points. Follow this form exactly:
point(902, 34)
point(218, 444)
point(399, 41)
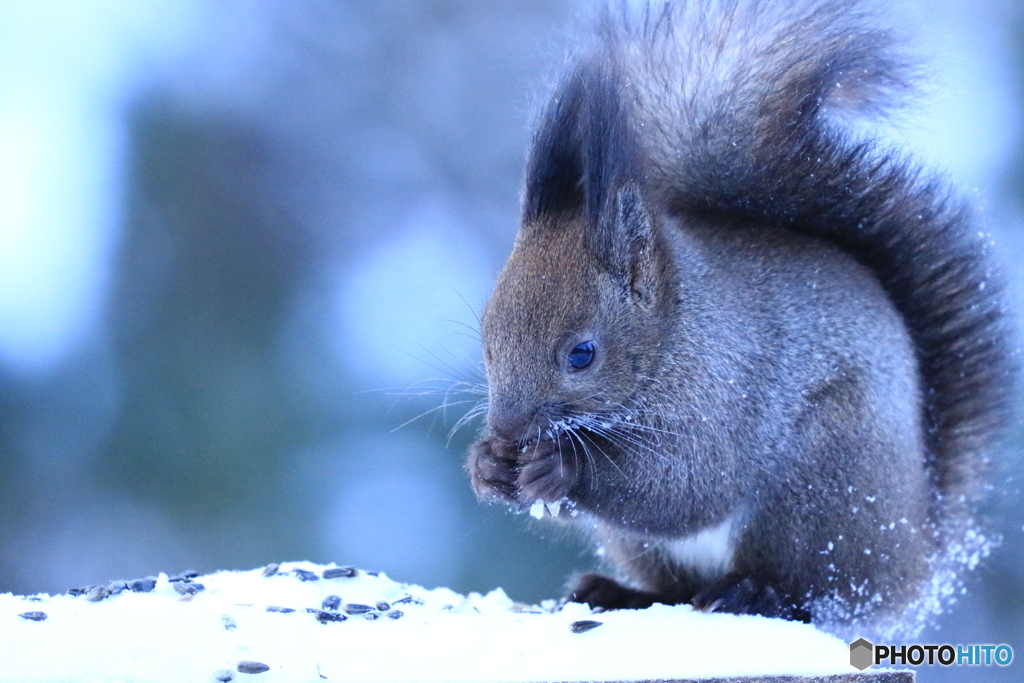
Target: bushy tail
point(736, 108)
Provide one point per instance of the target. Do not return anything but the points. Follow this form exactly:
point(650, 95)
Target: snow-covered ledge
point(305, 622)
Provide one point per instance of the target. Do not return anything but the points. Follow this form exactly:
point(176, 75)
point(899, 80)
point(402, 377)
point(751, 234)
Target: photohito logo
point(864, 654)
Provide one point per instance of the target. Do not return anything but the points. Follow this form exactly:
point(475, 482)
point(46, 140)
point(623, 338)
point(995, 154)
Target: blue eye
point(582, 355)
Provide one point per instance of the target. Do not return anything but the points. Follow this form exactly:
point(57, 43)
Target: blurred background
point(241, 239)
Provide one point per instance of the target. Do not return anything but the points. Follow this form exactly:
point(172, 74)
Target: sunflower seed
point(97, 593)
point(584, 626)
point(355, 608)
point(188, 589)
point(247, 667)
point(142, 585)
point(34, 616)
point(408, 599)
point(340, 573)
point(326, 617)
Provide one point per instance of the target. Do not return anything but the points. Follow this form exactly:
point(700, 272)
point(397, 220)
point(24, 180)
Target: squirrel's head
point(572, 328)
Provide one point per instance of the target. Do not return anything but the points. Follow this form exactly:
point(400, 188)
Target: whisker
point(441, 407)
point(607, 457)
point(616, 436)
point(479, 320)
point(576, 455)
point(450, 369)
point(561, 462)
point(474, 330)
point(473, 412)
point(416, 391)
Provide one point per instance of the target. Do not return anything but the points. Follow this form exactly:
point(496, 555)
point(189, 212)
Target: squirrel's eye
point(582, 355)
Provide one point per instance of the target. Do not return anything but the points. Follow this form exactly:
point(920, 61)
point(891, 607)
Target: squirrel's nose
point(510, 422)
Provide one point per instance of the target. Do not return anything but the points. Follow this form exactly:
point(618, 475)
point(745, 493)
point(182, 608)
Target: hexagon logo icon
point(862, 654)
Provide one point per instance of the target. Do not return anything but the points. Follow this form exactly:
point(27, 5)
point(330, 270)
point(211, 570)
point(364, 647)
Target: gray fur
point(800, 337)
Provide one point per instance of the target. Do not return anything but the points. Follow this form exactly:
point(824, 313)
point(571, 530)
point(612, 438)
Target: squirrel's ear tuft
point(633, 243)
point(554, 176)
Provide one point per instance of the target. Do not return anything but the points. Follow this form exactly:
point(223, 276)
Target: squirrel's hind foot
point(601, 592)
point(743, 595)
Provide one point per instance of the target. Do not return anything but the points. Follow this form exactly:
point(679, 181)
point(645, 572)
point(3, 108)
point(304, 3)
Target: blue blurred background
point(238, 238)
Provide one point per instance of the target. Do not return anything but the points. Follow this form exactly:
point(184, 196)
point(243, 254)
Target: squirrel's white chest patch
point(708, 553)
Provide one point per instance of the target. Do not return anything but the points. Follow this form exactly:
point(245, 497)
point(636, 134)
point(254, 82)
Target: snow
point(174, 635)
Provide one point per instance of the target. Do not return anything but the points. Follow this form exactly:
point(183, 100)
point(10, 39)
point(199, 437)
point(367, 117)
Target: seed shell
point(340, 573)
point(356, 608)
point(326, 617)
point(584, 626)
point(248, 667)
point(34, 616)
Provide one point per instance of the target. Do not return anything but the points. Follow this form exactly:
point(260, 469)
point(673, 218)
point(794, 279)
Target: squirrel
point(760, 357)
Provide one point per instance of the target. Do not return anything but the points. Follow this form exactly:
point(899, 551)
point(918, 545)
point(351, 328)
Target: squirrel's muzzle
point(511, 423)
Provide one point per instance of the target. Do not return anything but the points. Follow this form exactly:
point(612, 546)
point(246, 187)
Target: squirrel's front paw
point(546, 473)
point(493, 471)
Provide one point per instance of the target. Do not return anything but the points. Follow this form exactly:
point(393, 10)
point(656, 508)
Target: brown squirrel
point(758, 357)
